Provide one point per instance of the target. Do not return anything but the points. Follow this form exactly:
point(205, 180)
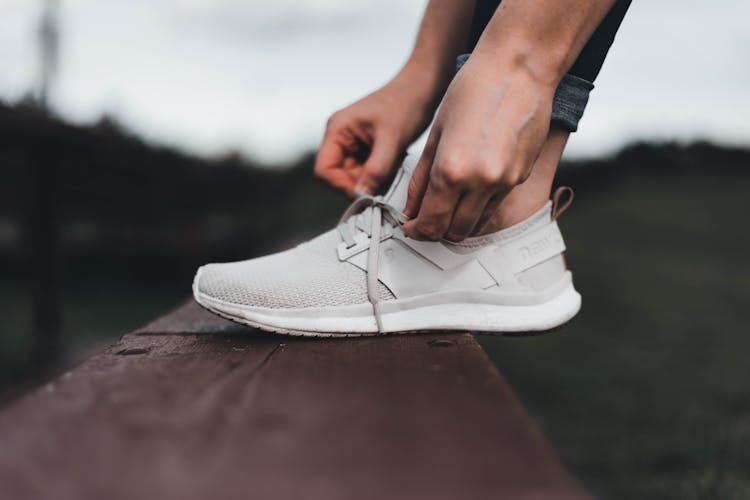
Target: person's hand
point(488, 132)
point(364, 142)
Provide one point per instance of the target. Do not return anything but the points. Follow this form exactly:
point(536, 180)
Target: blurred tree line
point(125, 202)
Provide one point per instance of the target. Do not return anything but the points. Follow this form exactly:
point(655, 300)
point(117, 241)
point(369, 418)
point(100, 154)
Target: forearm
point(442, 36)
point(542, 37)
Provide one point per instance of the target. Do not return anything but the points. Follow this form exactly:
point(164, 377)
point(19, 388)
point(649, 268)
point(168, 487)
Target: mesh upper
point(309, 275)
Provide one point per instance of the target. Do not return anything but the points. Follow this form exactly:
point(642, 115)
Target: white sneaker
point(366, 277)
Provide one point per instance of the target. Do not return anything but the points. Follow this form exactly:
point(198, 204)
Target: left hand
point(488, 132)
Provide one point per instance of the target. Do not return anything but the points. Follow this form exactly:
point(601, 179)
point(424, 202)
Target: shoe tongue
point(399, 190)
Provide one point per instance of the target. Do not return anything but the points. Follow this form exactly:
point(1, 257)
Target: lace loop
point(367, 214)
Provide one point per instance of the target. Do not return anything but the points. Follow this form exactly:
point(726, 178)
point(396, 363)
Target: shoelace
point(367, 214)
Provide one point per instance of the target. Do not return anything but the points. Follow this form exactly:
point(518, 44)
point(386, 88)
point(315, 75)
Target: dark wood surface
point(195, 407)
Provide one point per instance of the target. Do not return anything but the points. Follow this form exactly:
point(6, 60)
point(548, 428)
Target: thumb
point(379, 164)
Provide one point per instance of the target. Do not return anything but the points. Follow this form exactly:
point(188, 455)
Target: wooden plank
point(194, 407)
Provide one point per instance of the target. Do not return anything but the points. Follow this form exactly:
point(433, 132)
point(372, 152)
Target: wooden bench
point(195, 407)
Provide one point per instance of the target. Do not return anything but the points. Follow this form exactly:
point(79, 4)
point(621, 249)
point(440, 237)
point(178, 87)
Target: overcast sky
point(209, 76)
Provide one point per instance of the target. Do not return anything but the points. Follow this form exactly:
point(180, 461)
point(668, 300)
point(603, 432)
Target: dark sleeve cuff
point(570, 101)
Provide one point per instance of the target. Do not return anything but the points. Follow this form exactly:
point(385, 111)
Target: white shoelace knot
point(368, 214)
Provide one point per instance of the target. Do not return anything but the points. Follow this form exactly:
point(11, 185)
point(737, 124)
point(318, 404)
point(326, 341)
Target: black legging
point(592, 56)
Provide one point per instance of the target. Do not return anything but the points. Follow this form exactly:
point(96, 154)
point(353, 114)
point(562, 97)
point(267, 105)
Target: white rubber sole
point(406, 315)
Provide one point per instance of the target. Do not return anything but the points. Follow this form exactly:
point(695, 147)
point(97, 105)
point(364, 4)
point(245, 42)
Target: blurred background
point(139, 139)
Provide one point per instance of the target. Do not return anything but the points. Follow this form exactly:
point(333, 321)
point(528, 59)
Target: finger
point(435, 213)
point(488, 214)
point(329, 164)
point(379, 164)
point(421, 176)
point(470, 208)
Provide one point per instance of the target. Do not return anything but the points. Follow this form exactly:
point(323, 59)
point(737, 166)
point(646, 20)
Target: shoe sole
point(489, 319)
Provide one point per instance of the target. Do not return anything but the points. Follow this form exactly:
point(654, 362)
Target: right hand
point(365, 141)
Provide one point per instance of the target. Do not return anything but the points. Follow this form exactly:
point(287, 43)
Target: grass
point(645, 395)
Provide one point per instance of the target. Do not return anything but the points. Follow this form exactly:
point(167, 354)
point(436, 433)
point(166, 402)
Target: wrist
point(543, 68)
point(426, 79)
point(544, 53)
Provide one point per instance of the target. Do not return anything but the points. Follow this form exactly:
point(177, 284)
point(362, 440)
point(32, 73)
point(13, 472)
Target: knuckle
point(450, 174)
point(512, 179)
point(488, 175)
point(505, 184)
point(523, 176)
point(428, 231)
point(377, 174)
point(319, 172)
point(333, 120)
